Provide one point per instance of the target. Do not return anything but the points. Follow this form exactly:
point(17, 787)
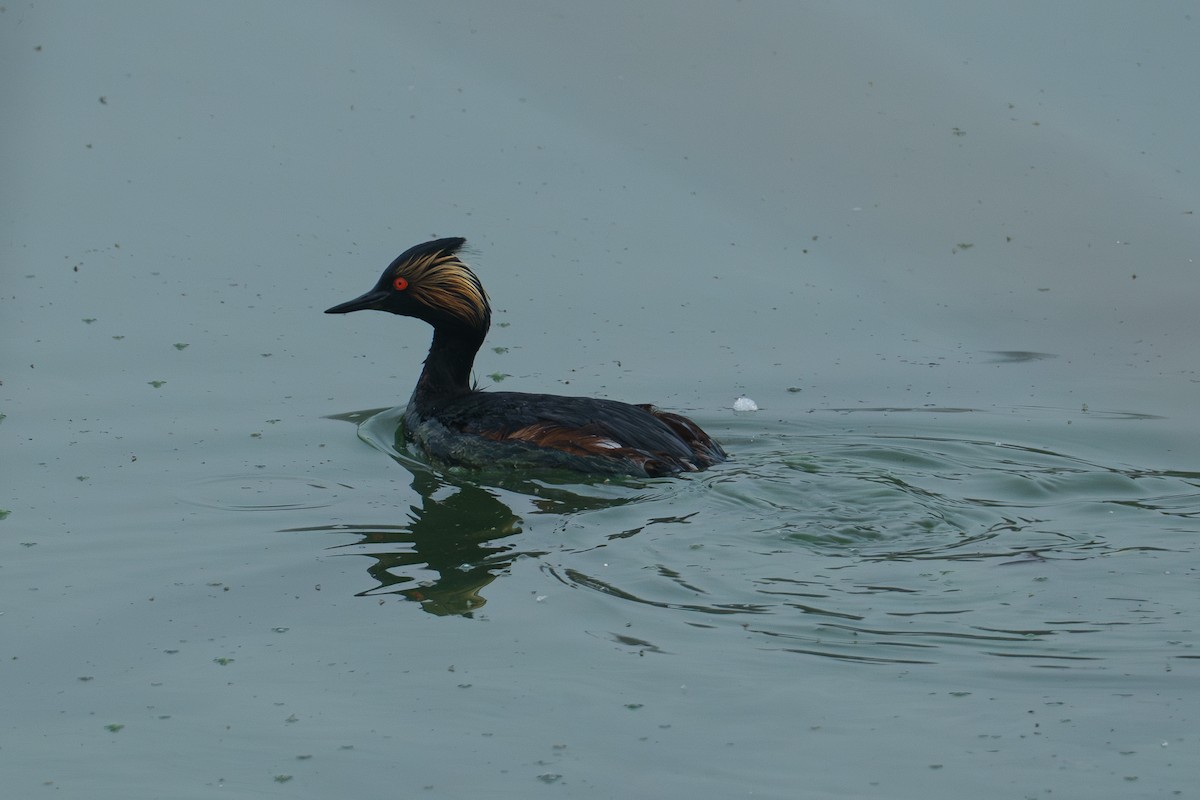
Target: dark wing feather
point(580, 442)
point(651, 441)
point(703, 446)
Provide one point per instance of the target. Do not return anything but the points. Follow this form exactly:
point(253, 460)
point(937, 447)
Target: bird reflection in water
point(457, 541)
point(450, 547)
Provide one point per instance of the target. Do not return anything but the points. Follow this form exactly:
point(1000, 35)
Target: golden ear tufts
point(442, 282)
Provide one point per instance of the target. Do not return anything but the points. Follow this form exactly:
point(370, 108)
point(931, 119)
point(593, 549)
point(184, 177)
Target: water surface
point(949, 253)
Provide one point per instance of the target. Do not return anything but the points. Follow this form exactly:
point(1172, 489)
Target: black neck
point(447, 371)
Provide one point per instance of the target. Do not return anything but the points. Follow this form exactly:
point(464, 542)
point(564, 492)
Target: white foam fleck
point(744, 403)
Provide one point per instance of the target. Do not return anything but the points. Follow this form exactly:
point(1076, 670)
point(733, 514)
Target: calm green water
point(883, 601)
point(954, 555)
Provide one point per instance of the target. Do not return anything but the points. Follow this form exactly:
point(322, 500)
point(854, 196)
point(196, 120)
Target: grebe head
point(429, 282)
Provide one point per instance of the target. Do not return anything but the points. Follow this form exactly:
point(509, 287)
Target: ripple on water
point(924, 497)
point(895, 547)
point(900, 544)
point(258, 492)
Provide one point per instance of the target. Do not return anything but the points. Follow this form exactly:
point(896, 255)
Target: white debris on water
point(744, 403)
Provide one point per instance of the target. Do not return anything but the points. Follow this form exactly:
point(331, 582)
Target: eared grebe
point(457, 425)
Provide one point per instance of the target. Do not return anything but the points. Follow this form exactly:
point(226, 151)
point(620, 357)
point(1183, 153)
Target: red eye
point(400, 283)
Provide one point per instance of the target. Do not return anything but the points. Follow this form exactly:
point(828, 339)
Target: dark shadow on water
point(1098, 414)
point(1017, 356)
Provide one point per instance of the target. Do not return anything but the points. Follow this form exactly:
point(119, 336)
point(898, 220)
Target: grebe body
point(455, 424)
